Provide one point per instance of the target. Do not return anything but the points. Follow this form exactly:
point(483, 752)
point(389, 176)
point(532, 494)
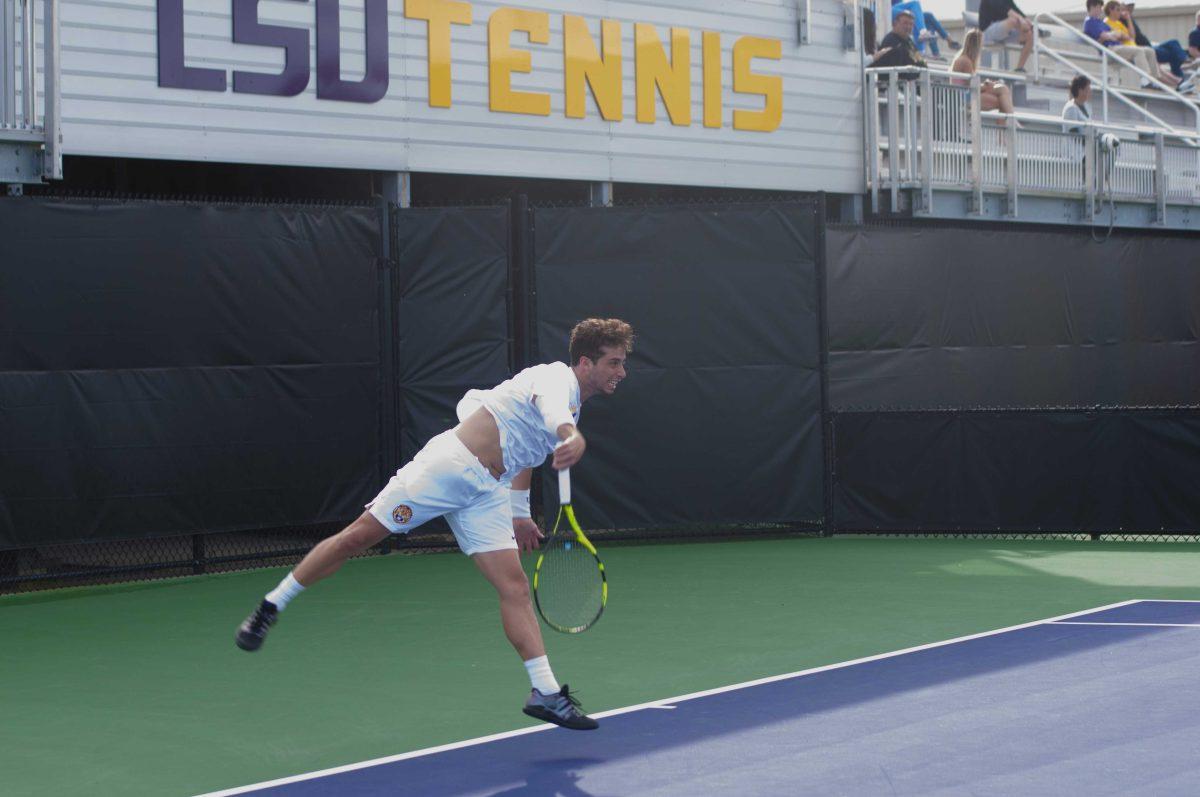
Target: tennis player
point(478, 475)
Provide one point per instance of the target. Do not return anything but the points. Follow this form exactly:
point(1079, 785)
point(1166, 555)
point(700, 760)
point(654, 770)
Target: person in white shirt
point(478, 475)
point(1076, 109)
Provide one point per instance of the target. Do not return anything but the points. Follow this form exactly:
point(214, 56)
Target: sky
point(952, 9)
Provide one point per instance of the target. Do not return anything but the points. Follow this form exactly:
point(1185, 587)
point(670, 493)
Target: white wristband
point(519, 501)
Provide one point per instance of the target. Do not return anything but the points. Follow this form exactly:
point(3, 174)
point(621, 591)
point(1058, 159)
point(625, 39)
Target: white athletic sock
point(282, 595)
point(540, 675)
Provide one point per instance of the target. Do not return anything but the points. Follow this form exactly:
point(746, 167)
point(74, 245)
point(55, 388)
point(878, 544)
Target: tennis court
point(1081, 703)
point(138, 689)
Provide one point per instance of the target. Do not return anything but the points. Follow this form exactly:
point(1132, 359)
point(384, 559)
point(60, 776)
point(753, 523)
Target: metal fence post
point(52, 160)
point(1089, 171)
point(872, 137)
point(28, 67)
point(927, 111)
point(976, 149)
point(8, 63)
point(893, 142)
point(1010, 136)
point(1160, 180)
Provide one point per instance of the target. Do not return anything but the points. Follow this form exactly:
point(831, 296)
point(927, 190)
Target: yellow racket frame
point(581, 538)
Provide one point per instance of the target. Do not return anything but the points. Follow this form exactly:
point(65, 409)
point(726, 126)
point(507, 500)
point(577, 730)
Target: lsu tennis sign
point(661, 69)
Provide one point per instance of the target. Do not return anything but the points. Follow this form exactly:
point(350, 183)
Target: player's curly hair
point(591, 335)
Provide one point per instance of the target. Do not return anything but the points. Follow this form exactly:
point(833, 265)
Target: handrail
point(1120, 95)
point(937, 138)
point(1106, 53)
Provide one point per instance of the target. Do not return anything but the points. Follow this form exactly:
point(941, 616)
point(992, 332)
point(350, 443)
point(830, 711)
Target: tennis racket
point(569, 585)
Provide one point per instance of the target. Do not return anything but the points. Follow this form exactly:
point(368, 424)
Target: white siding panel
point(113, 105)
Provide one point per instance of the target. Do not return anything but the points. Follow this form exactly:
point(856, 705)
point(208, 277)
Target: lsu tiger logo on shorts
point(402, 514)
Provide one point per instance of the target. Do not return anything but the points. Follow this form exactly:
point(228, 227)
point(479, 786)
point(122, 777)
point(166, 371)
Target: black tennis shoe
point(561, 708)
point(253, 630)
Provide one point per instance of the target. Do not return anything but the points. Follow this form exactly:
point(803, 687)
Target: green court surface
point(139, 689)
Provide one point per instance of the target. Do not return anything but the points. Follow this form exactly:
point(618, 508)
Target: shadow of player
point(555, 778)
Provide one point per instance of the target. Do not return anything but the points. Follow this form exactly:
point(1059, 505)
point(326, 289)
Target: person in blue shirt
point(926, 27)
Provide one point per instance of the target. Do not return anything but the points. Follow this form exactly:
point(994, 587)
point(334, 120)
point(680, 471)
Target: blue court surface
point(1105, 701)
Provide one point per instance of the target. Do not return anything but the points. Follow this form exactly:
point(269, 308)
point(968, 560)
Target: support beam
point(600, 195)
point(397, 188)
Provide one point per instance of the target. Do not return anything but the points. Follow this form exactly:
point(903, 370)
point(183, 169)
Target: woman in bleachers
point(993, 94)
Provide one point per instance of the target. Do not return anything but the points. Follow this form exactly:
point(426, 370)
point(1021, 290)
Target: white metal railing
point(1104, 81)
point(21, 120)
point(925, 131)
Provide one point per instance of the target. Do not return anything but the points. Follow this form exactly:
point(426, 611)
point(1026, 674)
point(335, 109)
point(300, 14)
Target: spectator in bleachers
point(926, 27)
point(1076, 109)
point(1194, 40)
point(897, 48)
point(1170, 52)
point(1003, 23)
point(993, 95)
point(1112, 33)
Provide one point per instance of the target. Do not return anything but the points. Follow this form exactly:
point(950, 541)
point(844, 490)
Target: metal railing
point(1104, 81)
point(925, 131)
point(21, 119)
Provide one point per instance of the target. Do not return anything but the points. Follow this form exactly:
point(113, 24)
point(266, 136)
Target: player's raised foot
point(253, 630)
point(561, 708)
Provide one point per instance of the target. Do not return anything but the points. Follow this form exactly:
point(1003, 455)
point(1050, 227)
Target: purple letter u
point(374, 83)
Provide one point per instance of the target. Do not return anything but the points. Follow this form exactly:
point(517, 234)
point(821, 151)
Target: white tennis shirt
point(528, 409)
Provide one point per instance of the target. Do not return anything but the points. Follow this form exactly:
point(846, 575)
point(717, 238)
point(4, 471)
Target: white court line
point(1147, 625)
point(660, 703)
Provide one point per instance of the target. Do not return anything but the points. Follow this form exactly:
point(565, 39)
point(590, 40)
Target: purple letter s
point(294, 41)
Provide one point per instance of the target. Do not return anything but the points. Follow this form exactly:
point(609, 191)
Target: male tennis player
point(478, 475)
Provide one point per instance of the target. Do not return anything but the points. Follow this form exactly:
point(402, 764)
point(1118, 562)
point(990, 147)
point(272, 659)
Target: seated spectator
point(897, 48)
point(1076, 109)
point(1003, 23)
point(1112, 33)
point(925, 26)
point(1170, 52)
point(993, 95)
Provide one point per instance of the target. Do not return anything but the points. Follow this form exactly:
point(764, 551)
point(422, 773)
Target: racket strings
point(569, 583)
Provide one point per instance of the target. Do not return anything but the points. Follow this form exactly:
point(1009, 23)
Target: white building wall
point(112, 104)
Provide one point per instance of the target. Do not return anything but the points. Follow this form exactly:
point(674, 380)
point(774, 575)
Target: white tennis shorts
point(446, 479)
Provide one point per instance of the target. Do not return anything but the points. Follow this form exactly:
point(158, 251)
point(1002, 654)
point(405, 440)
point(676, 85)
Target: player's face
point(608, 371)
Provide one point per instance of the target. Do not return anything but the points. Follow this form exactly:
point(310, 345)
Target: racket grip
point(564, 486)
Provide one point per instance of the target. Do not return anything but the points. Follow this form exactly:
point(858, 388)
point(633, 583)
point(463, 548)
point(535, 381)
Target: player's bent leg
point(321, 562)
point(332, 552)
point(502, 569)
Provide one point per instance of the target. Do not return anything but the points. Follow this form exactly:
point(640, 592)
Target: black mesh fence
point(728, 290)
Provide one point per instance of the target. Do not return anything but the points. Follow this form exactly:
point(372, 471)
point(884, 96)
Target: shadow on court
point(553, 778)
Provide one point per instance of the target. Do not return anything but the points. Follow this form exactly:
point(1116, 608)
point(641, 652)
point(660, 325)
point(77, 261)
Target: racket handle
point(564, 486)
